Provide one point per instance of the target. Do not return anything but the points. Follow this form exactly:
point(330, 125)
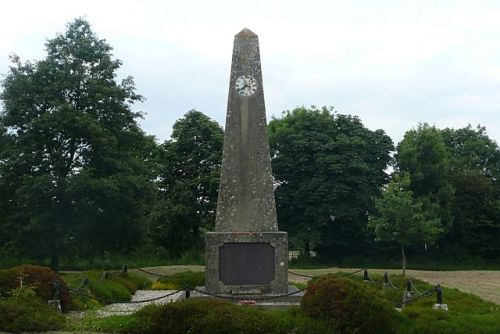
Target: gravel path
point(128, 308)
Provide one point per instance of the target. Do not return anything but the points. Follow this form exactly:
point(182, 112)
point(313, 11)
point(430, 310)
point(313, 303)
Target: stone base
point(407, 296)
point(443, 307)
point(246, 263)
point(265, 300)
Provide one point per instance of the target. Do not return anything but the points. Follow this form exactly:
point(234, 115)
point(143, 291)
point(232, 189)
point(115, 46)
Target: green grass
point(467, 313)
point(183, 279)
point(103, 291)
point(415, 263)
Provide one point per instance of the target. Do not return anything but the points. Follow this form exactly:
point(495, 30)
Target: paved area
point(128, 308)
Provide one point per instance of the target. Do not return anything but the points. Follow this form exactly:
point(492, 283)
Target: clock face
point(246, 85)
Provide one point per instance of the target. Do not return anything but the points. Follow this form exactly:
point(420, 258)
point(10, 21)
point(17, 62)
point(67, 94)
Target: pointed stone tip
point(246, 33)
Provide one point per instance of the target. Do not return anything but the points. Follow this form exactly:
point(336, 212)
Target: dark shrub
point(183, 279)
point(348, 306)
point(41, 278)
point(207, 316)
point(26, 312)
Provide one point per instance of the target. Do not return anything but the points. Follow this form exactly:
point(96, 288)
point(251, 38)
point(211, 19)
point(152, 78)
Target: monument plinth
point(246, 254)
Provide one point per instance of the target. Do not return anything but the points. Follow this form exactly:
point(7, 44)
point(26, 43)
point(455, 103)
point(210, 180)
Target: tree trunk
point(54, 259)
point(307, 249)
point(403, 257)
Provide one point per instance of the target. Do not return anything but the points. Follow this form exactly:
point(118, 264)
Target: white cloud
point(393, 63)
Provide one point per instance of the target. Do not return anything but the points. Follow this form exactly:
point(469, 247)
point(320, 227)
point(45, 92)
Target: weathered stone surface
point(246, 195)
point(246, 254)
point(277, 240)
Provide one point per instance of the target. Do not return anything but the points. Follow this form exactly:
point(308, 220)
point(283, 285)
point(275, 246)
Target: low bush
point(214, 316)
point(140, 282)
point(183, 279)
point(114, 288)
point(24, 311)
point(109, 291)
point(41, 278)
point(348, 306)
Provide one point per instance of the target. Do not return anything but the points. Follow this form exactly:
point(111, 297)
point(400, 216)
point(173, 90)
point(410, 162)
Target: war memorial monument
point(246, 254)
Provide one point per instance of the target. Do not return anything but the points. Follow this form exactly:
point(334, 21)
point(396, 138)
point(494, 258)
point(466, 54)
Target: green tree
point(400, 218)
point(188, 185)
point(422, 153)
point(327, 168)
point(471, 149)
point(474, 173)
point(74, 178)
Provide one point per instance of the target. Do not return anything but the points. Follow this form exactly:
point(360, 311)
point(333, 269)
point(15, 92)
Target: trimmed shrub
point(129, 285)
point(114, 288)
point(41, 278)
point(207, 316)
point(348, 306)
point(24, 311)
point(183, 279)
point(140, 282)
point(109, 291)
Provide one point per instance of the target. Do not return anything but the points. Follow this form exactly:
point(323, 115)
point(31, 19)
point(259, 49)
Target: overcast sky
point(392, 63)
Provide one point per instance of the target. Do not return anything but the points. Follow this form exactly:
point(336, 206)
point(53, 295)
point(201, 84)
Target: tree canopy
point(400, 218)
point(73, 172)
point(327, 167)
point(188, 183)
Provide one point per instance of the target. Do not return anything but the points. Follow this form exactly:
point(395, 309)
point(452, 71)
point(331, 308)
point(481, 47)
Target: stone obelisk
point(246, 254)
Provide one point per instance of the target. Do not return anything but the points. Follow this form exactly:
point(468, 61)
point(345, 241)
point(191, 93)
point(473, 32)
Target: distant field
point(483, 283)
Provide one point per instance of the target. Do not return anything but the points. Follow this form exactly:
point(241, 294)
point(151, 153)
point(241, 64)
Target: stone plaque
point(246, 263)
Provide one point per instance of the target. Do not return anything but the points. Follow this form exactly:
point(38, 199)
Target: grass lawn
point(467, 313)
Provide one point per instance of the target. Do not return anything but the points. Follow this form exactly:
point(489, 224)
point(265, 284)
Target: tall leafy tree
point(188, 185)
point(423, 155)
point(401, 219)
point(474, 172)
point(327, 168)
point(73, 177)
point(470, 149)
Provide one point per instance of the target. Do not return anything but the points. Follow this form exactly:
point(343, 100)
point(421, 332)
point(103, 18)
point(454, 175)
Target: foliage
point(474, 173)
point(188, 185)
point(41, 278)
point(476, 208)
point(327, 168)
point(348, 306)
point(422, 154)
point(215, 316)
point(139, 281)
point(23, 311)
point(472, 150)
point(400, 218)
point(114, 288)
point(75, 177)
point(467, 313)
point(109, 291)
point(183, 279)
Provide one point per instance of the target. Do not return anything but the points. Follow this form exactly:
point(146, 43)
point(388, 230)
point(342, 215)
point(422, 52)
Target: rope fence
point(107, 301)
point(411, 289)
